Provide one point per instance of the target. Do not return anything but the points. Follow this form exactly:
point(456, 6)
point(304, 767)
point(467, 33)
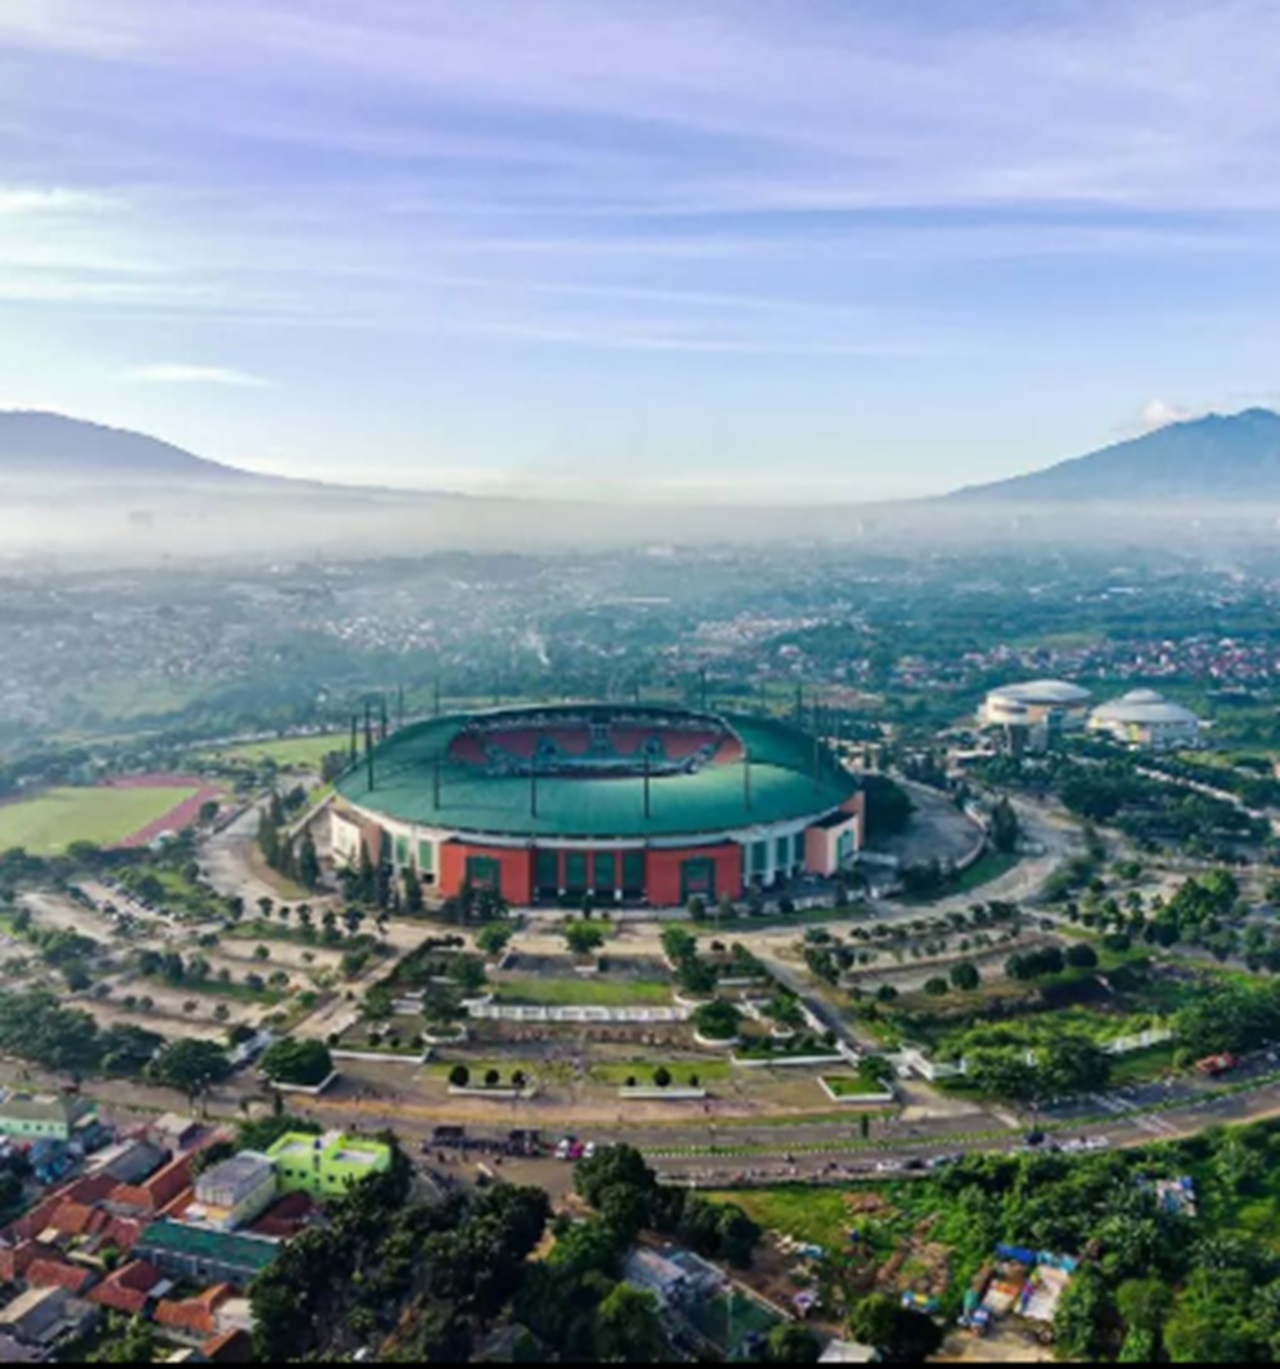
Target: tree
point(1082, 957)
point(582, 937)
point(937, 987)
point(965, 976)
point(131, 1343)
point(791, 1343)
point(307, 1063)
point(1144, 1304)
point(1077, 1323)
point(493, 938)
point(308, 862)
point(459, 1077)
point(717, 1021)
point(612, 1167)
point(192, 1066)
point(874, 1321)
point(662, 1077)
point(629, 1327)
point(1005, 828)
point(413, 900)
point(492, 1079)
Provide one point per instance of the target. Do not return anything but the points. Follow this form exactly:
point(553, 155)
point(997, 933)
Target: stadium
point(625, 803)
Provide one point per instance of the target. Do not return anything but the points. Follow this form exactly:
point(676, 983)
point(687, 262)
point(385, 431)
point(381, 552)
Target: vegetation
point(305, 1063)
point(717, 1021)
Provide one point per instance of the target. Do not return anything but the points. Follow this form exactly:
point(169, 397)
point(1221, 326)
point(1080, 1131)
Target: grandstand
point(626, 803)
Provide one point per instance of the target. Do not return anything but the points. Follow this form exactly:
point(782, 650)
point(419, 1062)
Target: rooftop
point(255, 1252)
point(1044, 692)
point(334, 1145)
point(248, 1167)
point(707, 799)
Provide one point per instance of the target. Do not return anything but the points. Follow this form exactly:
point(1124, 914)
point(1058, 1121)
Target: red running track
point(178, 818)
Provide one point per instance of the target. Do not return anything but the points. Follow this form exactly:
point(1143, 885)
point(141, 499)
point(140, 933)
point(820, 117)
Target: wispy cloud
point(527, 184)
point(175, 373)
point(55, 201)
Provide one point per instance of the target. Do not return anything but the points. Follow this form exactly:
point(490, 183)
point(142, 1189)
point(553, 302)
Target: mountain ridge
point(41, 443)
point(1222, 458)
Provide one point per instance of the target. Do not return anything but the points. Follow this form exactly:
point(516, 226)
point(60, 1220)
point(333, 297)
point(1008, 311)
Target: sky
point(797, 251)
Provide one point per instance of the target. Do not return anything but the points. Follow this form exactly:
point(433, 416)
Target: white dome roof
point(1144, 706)
point(1044, 693)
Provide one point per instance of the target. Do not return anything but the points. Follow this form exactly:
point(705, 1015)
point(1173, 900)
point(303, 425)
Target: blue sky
point(812, 249)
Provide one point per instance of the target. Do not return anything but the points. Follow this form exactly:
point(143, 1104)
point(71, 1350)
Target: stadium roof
point(707, 800)
point(1044, 692)
point(1143, 706)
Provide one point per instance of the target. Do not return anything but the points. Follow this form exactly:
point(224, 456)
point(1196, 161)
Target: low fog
point(140, 524)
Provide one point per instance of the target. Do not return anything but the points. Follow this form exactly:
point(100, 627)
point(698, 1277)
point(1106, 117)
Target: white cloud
point(173, 373)
point(15, 200)
point(1157, 413)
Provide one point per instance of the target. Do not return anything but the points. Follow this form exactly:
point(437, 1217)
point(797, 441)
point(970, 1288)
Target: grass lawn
point(816, 1215)
point(852, 1086)
point(584, 993)
point(289, 753)
point(1139, 1066)
point(48, 823)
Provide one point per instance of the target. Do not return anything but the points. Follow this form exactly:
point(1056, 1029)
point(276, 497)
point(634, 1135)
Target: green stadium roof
point(705, 801)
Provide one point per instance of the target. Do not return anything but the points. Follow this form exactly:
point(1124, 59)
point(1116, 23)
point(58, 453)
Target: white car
point(589, 1150)
point(562, 1150)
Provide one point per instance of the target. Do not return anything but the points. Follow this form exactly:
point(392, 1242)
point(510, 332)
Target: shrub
point(662, 1076)
point(459, 1076)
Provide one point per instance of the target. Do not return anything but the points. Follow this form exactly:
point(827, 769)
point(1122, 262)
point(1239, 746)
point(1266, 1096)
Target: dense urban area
point(997, 1083)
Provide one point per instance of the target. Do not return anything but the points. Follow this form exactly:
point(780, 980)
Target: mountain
point(1219, 459)
point(52, 447)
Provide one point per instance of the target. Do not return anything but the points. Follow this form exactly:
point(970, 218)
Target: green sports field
point(302, 753)
point(49, 823)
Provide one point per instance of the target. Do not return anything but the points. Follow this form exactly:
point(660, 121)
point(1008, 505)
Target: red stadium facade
point(620, 804)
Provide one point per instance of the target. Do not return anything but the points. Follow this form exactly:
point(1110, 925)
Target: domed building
point(1036, 703)
point(1146, 719)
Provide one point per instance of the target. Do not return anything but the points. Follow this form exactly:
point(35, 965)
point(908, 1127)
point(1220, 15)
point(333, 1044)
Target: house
point(45, 1116)
point(233, 1193)
point(195, 1317)
point(287, 1217)
point(652, 1272)
point(58, 1273)
point(42, 1317)
point(129, 1161)
point(13, 1353)
point(130, 1288)
point(154, 1194)
point(174, 1133)
point(326, 1166)
point(235, 1347)
point(203, 1255)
